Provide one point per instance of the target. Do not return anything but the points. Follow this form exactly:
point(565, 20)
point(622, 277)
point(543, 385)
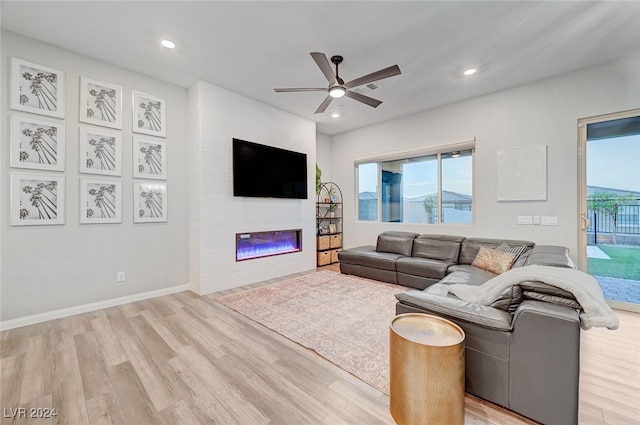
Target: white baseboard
point(85, 308)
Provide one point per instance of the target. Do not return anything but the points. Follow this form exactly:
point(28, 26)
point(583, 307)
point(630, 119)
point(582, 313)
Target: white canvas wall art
point(37, 144)
point(37, 199)
point(522, 174)
point(36, 88)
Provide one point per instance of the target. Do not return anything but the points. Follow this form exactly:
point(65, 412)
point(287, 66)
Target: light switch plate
point(525, 219)
point(549, 220)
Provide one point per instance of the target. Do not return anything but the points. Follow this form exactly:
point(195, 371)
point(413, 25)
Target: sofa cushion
point(456, 308)
point(437, 247)
point(467, 274)
point(537, 296)
point(379, 260)
point(493, 260)
point(423, 267)
point(550, 255)
point(545, 288)
point(396, 242)
point(470, 247)
point(352, 255)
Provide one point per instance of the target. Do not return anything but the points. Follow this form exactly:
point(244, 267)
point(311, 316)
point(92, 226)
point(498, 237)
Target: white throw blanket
point(595, 311)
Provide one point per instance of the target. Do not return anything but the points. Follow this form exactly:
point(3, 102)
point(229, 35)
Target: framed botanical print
point(37, 144)
point(100, 103)
point(149, 158)
point(149, 114)
point(37, 199)
point(100, 151)
point(149, 202)
point(100, 201)
point(36, 88)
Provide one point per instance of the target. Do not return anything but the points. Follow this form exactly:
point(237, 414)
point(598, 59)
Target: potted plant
point(332, 210)
point(318, 179)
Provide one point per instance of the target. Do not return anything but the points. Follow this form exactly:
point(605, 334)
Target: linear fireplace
point(265, 244)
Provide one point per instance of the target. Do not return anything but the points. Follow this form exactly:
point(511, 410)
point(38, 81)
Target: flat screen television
point(262, 171)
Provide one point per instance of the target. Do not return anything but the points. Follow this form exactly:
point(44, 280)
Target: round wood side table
point(426, 370)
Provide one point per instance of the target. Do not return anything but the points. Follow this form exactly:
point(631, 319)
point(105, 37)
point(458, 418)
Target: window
point(368, 192)
point(457, 187)
point(434, 188)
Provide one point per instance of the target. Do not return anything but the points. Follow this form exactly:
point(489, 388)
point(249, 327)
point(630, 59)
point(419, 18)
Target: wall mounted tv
point(262, 171)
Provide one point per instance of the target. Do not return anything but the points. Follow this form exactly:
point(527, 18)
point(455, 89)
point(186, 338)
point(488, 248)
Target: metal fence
point(627, 222)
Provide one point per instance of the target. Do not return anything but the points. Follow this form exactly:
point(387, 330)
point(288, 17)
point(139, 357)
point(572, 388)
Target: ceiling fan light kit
point(337, 87)
point(337, 91)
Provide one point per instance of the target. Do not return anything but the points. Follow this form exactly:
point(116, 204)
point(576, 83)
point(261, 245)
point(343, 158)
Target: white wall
point(543, 113)
point(46, 268)
point(323, 155)
point(218, 116)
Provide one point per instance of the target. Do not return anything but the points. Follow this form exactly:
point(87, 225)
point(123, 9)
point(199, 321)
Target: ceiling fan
point(337, 87)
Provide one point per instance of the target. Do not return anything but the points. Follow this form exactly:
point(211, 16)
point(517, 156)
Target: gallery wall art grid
point(38, 144)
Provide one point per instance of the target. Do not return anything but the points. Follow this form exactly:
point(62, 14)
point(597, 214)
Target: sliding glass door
point(610, 205)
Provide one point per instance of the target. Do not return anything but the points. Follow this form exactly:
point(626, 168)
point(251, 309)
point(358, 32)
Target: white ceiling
point(252, 47)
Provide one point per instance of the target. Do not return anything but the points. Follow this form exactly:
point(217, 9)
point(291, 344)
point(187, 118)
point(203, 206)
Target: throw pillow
point(493, 260)
point(517, 250)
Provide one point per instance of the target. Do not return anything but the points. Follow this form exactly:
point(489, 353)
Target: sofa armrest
point(544, 363)
point(457, 309)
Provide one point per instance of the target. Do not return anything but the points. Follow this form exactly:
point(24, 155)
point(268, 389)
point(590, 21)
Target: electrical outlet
point(120, 276)
point(549, 220)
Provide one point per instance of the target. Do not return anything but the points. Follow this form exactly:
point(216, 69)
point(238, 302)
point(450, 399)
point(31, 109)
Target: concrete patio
point(622, 290)
point(614, 288)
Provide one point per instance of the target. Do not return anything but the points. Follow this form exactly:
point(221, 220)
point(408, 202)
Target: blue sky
point(614, 163)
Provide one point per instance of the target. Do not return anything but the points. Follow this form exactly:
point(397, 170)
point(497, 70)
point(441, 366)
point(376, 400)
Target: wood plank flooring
point(185, 359)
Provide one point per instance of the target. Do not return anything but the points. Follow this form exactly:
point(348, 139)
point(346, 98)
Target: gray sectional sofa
point(522, 351)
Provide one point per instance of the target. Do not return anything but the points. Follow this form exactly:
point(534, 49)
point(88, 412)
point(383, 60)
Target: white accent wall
point(65, 267)
point(543, 113)
point(218, 116)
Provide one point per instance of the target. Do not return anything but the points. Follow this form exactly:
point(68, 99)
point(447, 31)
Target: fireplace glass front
point(265, 244)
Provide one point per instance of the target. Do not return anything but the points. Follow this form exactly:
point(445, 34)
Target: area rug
point(344, 319)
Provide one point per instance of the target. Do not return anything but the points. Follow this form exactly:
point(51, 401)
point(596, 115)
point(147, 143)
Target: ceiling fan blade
point(323, 106)
point(374, 76)
point(296, 89)
point(362, 98)
point(324, 65)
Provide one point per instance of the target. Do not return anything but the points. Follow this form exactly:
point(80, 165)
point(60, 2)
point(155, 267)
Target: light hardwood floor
point(185, 359)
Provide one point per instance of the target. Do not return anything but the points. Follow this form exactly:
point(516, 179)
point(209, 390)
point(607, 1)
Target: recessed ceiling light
point(168, 44)
point(335, 115)
point(470, 71)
